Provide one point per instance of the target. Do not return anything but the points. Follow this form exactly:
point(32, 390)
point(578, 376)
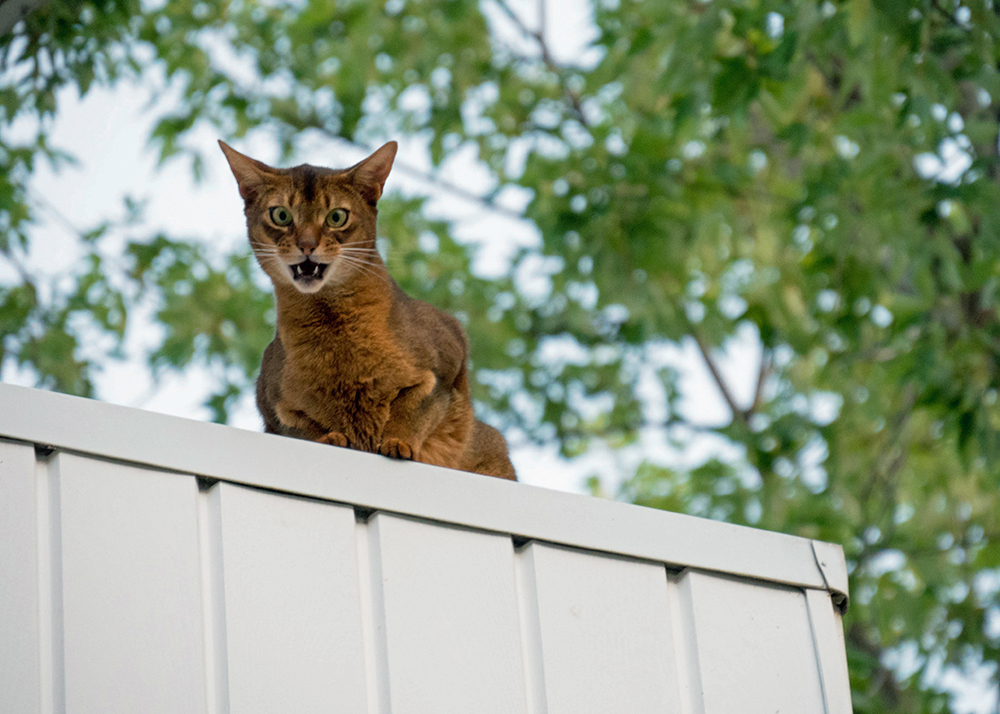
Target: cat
point(355, 362)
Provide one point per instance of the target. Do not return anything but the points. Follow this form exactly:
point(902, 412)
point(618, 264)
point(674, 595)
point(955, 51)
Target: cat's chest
point(345, 385)
point(347, 361)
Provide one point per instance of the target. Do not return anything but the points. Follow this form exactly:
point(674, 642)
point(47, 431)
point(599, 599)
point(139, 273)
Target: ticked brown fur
point(355, 362)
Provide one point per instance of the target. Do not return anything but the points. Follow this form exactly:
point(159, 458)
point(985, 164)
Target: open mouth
point(308, 271)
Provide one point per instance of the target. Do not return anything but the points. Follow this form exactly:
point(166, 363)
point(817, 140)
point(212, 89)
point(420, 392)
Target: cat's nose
point(308, 240)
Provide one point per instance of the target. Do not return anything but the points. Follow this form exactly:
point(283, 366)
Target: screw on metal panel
point(44, 451)
point(839, 601)
point(362, 514)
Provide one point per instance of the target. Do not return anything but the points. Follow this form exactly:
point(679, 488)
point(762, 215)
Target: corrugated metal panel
point(132, 636)
point(377, 483)
point(132, 590)
point(751, 645)
point(446, 618)
point(291, 602)
point(20, 629)
point(601, 632)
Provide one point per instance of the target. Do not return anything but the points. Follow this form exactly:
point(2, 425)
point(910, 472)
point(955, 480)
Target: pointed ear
point(250, 174)
point(370, 174)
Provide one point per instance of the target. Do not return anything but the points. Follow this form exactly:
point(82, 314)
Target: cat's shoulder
point(425, 316)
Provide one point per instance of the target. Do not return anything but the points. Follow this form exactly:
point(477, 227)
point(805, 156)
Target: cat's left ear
point(370, 174)
point(250, 174)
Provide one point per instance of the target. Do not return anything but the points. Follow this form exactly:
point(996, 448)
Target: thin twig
point(762, 374)
point(18, 266)
point(884, 681)
point(948, 15)
point(458, 191)
point(738, 414)
point(60, 217)
point(541, 20)
point(543, 47)
point(444, 184)
point(887, 466)
point(619, 431)
point(516, 19)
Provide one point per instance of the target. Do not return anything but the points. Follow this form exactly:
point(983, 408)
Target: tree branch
point(738, 414)
point(888, 465)
point(18, 266)
point(542, 19)
point(486, 201)
point(762, 374)
point(619, 431)
point(458, 191)
point(883, 680)
point(539, 37)
point(948, 15)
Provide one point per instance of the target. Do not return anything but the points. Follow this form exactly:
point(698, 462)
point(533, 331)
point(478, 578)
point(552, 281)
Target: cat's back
point(268, 385)
point(433, 333)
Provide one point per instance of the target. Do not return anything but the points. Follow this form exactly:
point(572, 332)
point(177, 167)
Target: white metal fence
point(154, 564)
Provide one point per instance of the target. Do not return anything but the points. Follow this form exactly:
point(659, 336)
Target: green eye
point(281, 216)
point(337, 217)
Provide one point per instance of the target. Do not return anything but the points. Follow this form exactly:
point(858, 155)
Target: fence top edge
point(372, 482)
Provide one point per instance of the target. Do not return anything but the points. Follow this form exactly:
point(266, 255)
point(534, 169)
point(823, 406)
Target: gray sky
point(107, 132)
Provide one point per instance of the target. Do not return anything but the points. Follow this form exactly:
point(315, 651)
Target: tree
point(822, 173)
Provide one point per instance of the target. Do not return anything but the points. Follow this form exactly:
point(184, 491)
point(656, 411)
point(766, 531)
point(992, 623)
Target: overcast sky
point(107, 133)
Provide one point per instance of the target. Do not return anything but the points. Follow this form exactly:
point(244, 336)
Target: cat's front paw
point(397, 449)
point(334, 438)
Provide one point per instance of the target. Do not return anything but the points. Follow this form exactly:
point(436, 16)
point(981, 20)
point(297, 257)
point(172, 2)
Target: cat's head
point(310, 226)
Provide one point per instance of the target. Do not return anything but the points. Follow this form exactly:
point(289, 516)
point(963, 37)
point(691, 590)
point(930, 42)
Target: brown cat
point(355, 362)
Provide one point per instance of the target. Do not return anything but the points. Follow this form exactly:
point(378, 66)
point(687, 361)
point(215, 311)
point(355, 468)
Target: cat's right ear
point(370, 175)
point(250, 174)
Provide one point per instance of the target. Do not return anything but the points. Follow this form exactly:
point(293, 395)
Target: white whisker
point(366, 268)
point(364, 260)
point(372, 253)
point(372, 267)
point(361, 253)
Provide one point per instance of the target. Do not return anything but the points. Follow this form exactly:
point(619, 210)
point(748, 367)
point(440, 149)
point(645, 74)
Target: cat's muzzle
point(308, 271)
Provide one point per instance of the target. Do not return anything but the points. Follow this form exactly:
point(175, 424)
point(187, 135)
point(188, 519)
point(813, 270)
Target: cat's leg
point(268, 391)
point(301, 425)
point(334, 438)
point(486, 453)
point(413, 414)
point(447, 443)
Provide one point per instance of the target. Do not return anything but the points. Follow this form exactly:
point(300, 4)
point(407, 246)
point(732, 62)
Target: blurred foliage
point(822, 173)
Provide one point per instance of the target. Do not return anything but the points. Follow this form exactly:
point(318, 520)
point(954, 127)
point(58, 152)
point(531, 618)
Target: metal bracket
point(828, 568)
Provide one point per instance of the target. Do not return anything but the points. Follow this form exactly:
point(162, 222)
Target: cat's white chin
point(313, 285)
point(309, 285)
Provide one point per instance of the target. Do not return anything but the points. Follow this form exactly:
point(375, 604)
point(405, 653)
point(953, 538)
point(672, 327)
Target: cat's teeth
point(308, 270)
